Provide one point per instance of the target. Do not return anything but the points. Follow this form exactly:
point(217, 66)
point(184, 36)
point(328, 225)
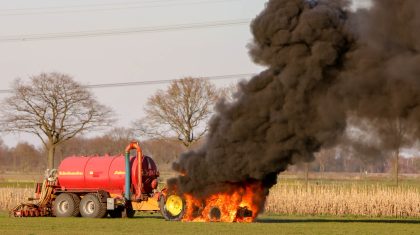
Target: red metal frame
point(135, 145)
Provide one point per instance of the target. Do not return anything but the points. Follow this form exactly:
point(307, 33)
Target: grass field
point(154, 224)
point(304, 209)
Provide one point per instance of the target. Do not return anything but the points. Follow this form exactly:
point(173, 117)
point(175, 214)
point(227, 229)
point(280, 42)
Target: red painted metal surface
point(135, 145)
point(105, 173)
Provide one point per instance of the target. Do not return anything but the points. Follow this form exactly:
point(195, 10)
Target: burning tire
point(65, 205)
point(215, 214)
point(172, 207)
point(92, 207)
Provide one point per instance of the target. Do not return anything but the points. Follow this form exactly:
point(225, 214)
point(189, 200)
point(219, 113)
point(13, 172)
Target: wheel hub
point(174, 205)
point(63, 206)
point(90, 207)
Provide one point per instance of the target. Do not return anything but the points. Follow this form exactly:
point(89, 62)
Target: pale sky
point(133, 57)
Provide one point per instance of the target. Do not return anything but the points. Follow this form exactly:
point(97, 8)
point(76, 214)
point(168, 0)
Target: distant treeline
point(25, 157)
point(341, 159)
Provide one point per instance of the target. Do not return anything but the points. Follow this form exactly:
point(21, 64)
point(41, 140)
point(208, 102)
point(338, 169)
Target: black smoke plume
point(325, 64)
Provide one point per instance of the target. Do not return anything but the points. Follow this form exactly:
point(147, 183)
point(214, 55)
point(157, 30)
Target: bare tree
point(5, 160)
point(396, 137)
point(229, 93)
point(110, 143)
point(26, 158)
point(182, 109)
point(324, 156)
point(393, 134)
point(53, 107)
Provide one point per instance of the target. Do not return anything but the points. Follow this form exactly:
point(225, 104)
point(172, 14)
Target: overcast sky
point(143, 56)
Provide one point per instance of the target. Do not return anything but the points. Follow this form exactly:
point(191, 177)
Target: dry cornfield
point(374, 200)
point(10, 197)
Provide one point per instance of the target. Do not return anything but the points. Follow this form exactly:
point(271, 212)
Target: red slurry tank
point(105, 173)
point(98, 186)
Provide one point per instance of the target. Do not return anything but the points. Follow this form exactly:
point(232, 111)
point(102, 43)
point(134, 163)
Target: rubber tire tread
point(100, 208)
point(72, 206)
point(128, 212)
point(76, 212)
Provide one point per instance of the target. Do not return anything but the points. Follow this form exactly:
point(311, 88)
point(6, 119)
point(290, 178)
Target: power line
point(104, 7)
point(110, 32)
point(157, 82)
point(142, 83)
point(85, 5)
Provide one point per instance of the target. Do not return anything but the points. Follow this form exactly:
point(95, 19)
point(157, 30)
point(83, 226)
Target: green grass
point(154, 224)
point(268, 224)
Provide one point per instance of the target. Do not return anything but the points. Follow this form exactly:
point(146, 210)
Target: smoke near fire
point(325, 65)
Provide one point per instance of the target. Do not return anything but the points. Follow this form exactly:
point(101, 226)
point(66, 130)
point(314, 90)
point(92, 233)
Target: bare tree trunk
point(400, 131)
point(15, 163)
point(396, 165)
point(51, 152)
point(306, 175)
point(322, 168)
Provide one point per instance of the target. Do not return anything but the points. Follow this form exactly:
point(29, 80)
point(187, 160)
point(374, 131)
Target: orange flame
point(243, 204)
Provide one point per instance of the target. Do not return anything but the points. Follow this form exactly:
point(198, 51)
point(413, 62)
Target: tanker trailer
point(98, 186)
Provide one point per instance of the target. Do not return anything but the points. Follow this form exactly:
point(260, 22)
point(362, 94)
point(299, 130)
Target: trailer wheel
point(128, 212)
point(64, 205)
point(116, 213)
point(172, 207)
point(91, 206)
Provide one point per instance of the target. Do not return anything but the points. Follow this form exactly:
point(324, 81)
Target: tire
point(91, 207)
point(76, 198)
point(128, 212)
point(116, 213)
point(65, 206)
point(172, 207)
